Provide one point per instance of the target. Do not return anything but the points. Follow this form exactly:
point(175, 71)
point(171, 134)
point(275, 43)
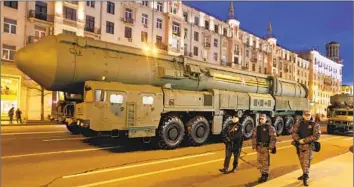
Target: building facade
point(346, 89)
point(168, 26)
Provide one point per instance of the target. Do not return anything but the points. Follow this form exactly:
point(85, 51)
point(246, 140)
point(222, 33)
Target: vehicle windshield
point(344, 113)
point(350, 113)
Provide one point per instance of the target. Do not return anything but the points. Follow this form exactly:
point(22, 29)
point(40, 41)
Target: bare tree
point(30, 84)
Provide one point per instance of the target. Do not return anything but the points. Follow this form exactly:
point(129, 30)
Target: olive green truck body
point(127, 92)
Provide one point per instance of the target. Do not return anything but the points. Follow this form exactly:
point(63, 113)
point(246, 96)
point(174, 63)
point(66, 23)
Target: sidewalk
point(28, 123)
point(333, 172)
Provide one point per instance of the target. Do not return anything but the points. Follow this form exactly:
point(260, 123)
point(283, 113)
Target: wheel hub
point(200, 131)
point(248, 128)
point(173, 133)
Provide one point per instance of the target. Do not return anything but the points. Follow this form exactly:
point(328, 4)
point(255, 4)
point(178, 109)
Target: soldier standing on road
point(264, 139)
point(232, 135)
point(305, 132)
point(11, 114)
point(18, 115)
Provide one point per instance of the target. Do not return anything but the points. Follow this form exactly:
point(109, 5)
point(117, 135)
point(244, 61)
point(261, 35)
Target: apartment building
point(347, 89)
point(168, 27)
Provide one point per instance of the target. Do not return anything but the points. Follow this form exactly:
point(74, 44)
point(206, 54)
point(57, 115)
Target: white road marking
point(140, 165)
point(23, 133)
point(59, 152)
point(172, 169)
point(60, 139)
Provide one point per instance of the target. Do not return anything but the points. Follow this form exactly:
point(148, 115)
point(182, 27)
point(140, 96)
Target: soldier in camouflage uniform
point(232, 135)
point(264, 138)
point(304, 133)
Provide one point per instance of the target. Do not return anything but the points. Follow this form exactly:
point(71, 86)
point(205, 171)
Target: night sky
point(298, 26)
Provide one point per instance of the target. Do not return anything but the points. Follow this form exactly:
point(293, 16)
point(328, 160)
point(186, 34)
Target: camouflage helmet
point(263, 116)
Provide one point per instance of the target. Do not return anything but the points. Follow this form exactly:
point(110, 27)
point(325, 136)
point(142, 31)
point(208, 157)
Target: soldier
point(305, 132)
point(264, 139)
point(232, 135)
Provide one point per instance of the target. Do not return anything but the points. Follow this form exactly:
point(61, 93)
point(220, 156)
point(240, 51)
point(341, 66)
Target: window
point(225, 32)
point(159, 23)
point(175, 28)
point(144, 36)
point(148, 100)
point(39, 32)
point(110, 7)
point(185, 15)
point(158, 39)
point(116, 98)
point(159, 6)
point(99, 95)
point(215, 42)
point(281, 74)
point(236, 61)
point(41, 10)
point(196, 20)
point(10, 26)
point(215, 56)
point(260, 69)
point(265, 70)
point(253, 67)
point(206, 24)
point(8, 52)
point(185, 33)
point(145, 3)
point(216, 28)
point(144, 19)
point(11, 4)
point(247, 53)
point(274, 63)
point(128, 13)
point(196, 36)
point(90, 4)
point(175, 43)
point(128, 32)
point(90, 24)
point(174, 9)
point(69, 13)
point(195, 51)
point(109, 27)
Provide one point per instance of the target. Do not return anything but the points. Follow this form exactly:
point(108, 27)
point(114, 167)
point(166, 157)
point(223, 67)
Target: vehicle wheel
point(88, 132)
point(278, 125)
point(330, 129)
point(289, 124)
point(198, 130)
point(248, 126)
point(170, 133)
point(73, 128)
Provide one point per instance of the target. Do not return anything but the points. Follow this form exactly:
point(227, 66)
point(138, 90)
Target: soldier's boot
point(262, 178)
point(304, 179)
point(265, 177)
point(233, 168)
point(224, 170)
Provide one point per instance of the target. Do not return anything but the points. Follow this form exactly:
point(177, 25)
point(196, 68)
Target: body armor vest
point(306, 129)
point(263, 135)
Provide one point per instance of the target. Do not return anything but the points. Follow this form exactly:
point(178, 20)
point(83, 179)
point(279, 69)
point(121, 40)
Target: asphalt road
point(50, 156)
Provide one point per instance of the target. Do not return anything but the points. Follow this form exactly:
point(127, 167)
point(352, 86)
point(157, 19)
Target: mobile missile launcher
point(128, 92)
point(340, 113)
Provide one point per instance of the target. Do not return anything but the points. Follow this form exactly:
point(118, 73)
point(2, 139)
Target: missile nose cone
point(38, 64)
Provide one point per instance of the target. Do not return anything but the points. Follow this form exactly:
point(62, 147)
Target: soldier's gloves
point(301, 141)
point(274, 150)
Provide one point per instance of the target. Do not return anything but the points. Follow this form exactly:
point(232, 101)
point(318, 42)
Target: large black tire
point(289, 124)
point(73, 128)
point(198, 131)
point(248, 125)
point(330, 129)
point(278, 125)
point(170, 133)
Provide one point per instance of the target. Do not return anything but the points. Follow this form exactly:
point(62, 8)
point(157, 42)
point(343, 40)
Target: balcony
point(32, 39)
point(93, 30)
point(244, 67)
point(41, 16)
point(70, 22)
point(128, 20)
point(176, 33)
point(161, 46)
point(253, 59)
point(207, 44)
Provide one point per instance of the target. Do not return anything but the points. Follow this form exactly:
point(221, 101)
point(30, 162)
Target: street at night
point(48, 155)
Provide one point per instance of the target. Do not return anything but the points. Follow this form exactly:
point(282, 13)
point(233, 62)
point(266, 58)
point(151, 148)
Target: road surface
point(48, 155)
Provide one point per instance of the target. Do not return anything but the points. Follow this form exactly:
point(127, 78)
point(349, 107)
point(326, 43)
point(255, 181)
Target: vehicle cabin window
point(341, 113)
point(148, 100)
point(100, 95)
point(350, 113)
point(116, 99)
point(89, 96)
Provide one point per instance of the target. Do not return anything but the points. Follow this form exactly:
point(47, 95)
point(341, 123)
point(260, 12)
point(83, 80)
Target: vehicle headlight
point(330, 121)
point(350, 123)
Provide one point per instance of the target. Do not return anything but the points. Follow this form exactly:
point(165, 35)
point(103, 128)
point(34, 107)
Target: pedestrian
point(11, 114)
point(305, 133)
point(18, 115)
point(264, 138)
point(232, 135)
